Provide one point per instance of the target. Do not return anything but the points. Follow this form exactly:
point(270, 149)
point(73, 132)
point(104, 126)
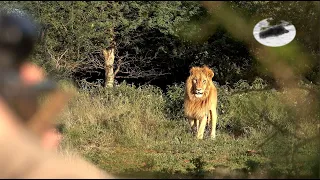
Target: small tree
point(78, 28)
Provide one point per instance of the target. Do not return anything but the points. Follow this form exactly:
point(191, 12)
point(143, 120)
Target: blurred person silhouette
point(26, 144)
point(52, 134)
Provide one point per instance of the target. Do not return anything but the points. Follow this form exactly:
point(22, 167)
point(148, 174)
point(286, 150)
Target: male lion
point(200, 101)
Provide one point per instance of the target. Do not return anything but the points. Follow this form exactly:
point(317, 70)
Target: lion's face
point(199, 84)
point(200, 80)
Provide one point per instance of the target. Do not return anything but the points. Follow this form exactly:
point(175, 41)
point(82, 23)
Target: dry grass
point(127, 131)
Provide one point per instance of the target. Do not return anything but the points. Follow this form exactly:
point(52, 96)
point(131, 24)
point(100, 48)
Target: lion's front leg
point(213, 114)
point(197, 122)
point(202, 127)
point(192, 124)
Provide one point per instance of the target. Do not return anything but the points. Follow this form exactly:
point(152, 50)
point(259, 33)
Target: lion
point(200, 100)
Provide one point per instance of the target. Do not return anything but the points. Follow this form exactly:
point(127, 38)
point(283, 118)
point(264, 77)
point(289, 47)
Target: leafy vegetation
point(135, 131)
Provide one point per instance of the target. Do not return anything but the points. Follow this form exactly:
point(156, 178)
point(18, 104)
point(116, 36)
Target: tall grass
point(131, 129)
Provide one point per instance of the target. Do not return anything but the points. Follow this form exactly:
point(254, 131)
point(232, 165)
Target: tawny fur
point(199, 110)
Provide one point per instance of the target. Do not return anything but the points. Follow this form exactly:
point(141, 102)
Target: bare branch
point(118, 67)
point(57, 61)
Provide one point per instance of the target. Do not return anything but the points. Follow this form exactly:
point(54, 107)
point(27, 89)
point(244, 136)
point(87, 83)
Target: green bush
point(127, 114)
point(174, 101)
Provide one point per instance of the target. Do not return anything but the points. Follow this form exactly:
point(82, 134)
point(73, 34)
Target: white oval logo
point(276, 35)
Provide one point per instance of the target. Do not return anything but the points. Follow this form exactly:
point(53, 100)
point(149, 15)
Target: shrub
point(174, 101)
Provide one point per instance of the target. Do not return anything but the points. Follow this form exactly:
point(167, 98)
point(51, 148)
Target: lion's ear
point(208, 71)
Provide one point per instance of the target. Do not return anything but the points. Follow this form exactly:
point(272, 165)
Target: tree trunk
point(109, 61)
